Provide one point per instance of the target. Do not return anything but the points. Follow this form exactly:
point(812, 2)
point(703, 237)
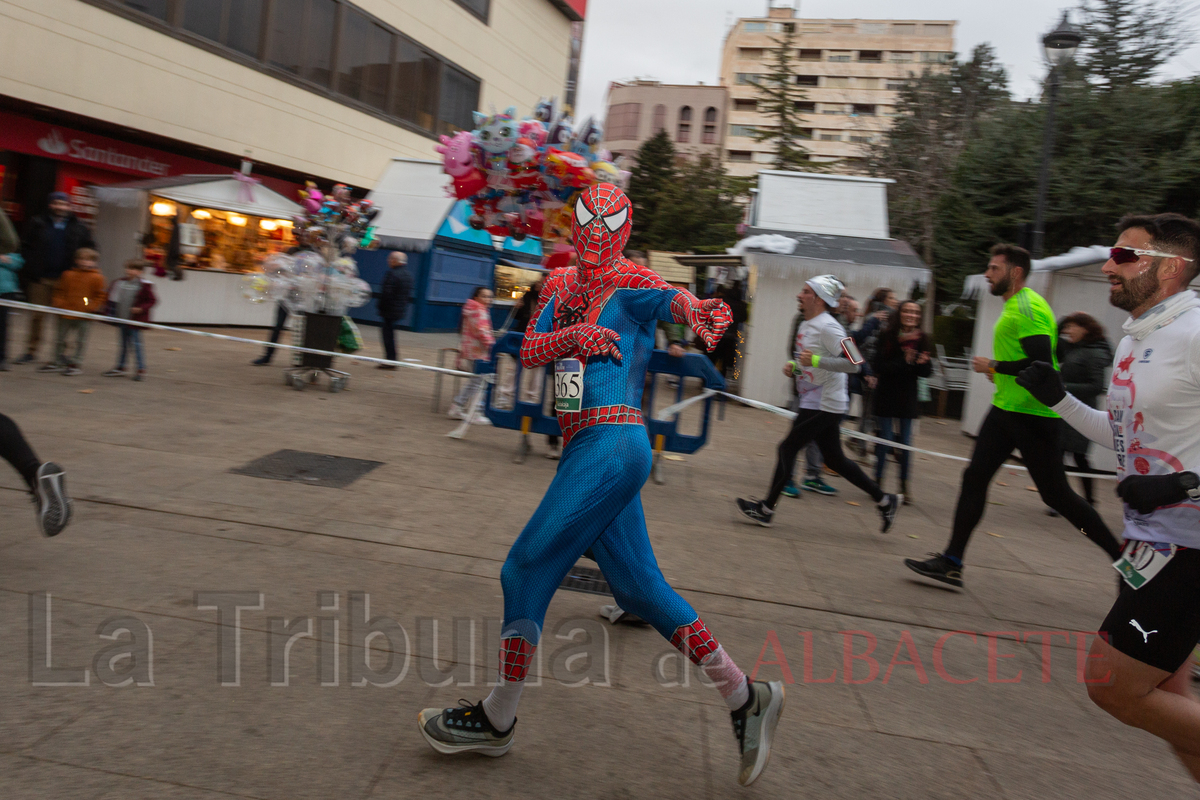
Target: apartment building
point(851, 71)
point(692, 115)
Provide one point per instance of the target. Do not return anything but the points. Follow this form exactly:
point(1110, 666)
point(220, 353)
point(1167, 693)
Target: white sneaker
point(53, 503)
point(614, 613)
point(480, 419)
point(456, 412)
point(754, 726)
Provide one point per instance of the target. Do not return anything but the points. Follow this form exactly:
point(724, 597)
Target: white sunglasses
point(1127, 255)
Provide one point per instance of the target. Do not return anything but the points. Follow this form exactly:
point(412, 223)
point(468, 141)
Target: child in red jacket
point(131, 298)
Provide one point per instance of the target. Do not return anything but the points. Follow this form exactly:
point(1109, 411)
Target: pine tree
point(1126, 41)
point(697, 211)
point(938, 114)
point(778, 98)
point(651, 176)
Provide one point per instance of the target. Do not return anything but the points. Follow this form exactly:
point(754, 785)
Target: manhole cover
point(586, 579)
point(314, 469)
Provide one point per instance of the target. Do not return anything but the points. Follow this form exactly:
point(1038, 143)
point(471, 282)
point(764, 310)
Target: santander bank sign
point(77, 148)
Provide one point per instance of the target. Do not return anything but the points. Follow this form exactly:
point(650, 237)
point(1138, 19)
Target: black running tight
point(820, 427)
point(1037, 439)
point(1083, 465)
point(16, 451)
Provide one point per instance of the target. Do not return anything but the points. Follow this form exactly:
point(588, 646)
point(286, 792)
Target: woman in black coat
point(1083, 355)
point(901, 356)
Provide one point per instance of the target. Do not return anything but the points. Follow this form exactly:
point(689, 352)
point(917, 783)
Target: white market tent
point(1070, 282)
point(412, 197)
point(125, 208)
point(205, 297)
point(862, 264)
point(803, 225)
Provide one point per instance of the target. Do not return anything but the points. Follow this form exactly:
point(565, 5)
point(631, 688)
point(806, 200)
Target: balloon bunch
point(332, 218)
point(307, 282)
point(518, 176)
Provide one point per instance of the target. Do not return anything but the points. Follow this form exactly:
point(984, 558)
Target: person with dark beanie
point(51, 242)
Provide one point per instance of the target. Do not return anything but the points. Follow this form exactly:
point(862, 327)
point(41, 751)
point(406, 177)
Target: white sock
point(883, 502)
point(501, 705)
point(730, 680)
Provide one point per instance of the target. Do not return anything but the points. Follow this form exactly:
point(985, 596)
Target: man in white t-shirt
point(1138, 670)
point(820, 367)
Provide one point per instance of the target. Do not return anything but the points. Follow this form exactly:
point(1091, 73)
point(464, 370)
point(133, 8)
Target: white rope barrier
point(674, 410)
point(408, 364)
point(664, 414)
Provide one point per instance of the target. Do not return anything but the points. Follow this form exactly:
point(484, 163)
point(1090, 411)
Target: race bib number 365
point(568, 384)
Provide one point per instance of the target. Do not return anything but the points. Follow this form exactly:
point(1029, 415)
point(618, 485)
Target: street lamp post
point(1060, 45)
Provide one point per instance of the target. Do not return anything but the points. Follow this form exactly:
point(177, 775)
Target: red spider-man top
point(603, 312)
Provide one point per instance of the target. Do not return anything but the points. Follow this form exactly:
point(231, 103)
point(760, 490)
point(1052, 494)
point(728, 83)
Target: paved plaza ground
point(164, 532)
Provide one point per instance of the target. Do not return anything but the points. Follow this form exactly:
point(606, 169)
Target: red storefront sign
point(25, 135)
point(90, 159)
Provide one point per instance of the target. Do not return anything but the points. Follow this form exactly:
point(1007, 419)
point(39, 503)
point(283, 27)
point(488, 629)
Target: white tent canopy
point(863, 264)
point(413, 200)
point(220, 192)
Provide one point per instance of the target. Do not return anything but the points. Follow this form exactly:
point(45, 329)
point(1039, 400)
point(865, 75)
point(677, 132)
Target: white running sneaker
point(53, 504)
point(613, 613)
point(463, 730)
point(456, 412)
point(754, 726)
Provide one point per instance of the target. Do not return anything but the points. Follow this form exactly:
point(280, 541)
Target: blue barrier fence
point(530, 417)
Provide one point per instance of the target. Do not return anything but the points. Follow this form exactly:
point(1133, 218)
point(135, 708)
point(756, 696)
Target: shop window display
point(513, 282)
point(232, 242)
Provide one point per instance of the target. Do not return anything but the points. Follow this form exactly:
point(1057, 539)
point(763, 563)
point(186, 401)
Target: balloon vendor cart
point(319, 282)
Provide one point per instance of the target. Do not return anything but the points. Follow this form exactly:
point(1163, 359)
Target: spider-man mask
point(603, 219)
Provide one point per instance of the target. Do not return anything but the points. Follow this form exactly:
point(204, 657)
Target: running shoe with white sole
point(53, 504)
point(615, 614)
point(819, 486)
point(939, 568)
point(465, 729)
point(754, 726)
point(756, 511)
point(889, 509)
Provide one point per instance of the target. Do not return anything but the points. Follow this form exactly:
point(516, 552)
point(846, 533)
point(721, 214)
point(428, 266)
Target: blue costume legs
point(627, 561)
point(594, 502)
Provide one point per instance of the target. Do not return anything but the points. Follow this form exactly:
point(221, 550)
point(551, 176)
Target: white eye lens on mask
point(582, 215)
point(614, 221)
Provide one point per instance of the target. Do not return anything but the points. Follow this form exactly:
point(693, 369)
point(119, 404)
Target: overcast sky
point(679, 41)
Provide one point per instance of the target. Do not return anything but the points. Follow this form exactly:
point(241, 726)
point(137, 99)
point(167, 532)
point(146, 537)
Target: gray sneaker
point(754, 726)
point(50, 494)
point(463, 729)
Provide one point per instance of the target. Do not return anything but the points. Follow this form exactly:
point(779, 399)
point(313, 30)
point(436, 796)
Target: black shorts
point(1159, 624)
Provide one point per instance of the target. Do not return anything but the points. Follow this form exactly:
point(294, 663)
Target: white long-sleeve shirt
point(823, 387)
point(1153, 421)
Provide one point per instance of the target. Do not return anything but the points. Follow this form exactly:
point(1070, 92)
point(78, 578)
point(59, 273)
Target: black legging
point(1037, 439)
point(820, 427)
point(1082, 464)
point(16, 451)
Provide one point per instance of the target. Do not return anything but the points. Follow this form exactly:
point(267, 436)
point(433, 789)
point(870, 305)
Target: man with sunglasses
point(1024, 334)
point(1138, 667)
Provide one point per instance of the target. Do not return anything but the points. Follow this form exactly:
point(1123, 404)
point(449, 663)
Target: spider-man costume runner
point(597, 323)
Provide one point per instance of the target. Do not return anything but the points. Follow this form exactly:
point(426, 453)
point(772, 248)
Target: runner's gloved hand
point(1144, 493)
point(593, 340)
point(1043, 382)
point(711, 321)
